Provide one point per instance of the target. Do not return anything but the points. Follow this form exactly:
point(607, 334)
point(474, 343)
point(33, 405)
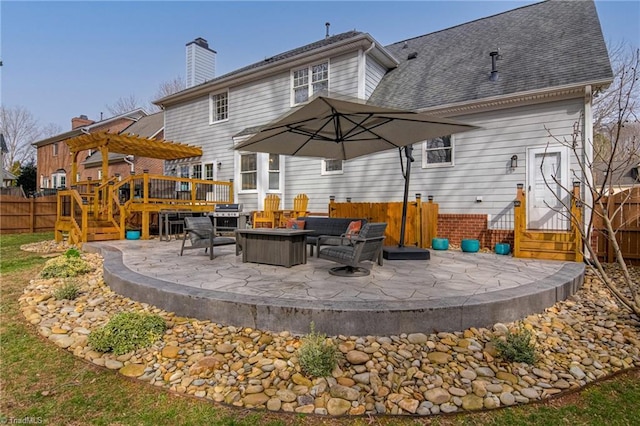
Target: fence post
point(85, 222)
point(519, 219)
point(576, 223)
point(611, 207)
point(430, 218)
point(32, 215)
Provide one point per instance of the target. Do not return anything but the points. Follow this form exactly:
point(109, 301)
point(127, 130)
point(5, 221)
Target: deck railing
point(133, 200)
point(545, 244)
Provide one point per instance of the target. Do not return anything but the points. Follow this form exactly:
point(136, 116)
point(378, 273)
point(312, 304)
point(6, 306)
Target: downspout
point(588, 160)
point(129, 160)
point(362, 83)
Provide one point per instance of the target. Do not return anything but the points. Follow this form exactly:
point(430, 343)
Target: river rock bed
point(579, 340)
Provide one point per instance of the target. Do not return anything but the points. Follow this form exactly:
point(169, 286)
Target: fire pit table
point(273, 246)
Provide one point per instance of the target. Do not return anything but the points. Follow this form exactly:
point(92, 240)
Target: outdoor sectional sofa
point(326, 226)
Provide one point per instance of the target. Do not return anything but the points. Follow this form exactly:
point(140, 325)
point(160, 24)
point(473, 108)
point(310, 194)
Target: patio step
point(548, 245)
point(100, 230)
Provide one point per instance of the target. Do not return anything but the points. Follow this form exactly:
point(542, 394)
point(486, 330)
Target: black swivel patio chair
point(201, 234)
point(366, 246)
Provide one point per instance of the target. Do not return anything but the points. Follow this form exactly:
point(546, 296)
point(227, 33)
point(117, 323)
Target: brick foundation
point(456, 227)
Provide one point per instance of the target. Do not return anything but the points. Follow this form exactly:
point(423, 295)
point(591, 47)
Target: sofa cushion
point(294, 224)
point(328, 225)
point(354, 228)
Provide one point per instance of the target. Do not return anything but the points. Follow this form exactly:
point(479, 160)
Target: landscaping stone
point(584, 338)
point(132, 370)
point(338, 406)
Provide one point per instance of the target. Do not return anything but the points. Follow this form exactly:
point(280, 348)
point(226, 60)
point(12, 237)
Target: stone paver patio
point(451, 291)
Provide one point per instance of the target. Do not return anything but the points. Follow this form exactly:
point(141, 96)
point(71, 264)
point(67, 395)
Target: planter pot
point(503, 248)
point(440, 244)
point(132, 235)
point(470, 246)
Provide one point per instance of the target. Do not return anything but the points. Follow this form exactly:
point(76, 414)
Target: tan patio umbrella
point(342, 128)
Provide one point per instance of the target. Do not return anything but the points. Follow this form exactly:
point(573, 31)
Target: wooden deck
point(101, 211)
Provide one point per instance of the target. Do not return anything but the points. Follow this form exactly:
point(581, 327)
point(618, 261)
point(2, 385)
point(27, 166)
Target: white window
point(332, 167)
point(208, 171)
point(55, 149)
point(197, 171)
point(59, 179)
point(274, 172)
point(248, 172)
point(438, 152)
point(305, 86)
point(219, 107)
point(184, 173)
point(99, 174)
point(260, 172)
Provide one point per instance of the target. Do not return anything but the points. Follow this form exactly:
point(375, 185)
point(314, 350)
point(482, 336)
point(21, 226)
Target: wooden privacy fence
point(421, 226)
point(22, 215)
point(626, 223)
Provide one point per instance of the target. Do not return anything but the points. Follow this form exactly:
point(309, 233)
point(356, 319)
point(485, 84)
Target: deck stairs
point(550, 245)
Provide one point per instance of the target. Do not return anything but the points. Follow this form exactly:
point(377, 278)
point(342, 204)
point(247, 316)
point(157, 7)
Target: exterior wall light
point(514, 162)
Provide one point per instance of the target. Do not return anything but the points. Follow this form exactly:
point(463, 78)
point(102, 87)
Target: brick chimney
point(201, 62)
point(80, 121)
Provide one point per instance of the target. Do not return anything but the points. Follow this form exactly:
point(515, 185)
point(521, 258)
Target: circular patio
point(450, 292)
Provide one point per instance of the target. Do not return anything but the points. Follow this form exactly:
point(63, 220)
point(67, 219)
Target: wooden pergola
point(128, 145)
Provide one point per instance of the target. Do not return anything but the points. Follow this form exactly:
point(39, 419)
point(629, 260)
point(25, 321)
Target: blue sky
point(63, 59)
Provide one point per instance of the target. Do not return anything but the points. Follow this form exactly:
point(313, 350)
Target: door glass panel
point(547, 190)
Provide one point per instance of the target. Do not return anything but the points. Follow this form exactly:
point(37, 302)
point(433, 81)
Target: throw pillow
point(353, 228)
point(294, 224)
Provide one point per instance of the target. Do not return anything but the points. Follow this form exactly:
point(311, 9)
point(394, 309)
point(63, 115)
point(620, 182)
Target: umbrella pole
point(405, 200)
point(401, 252)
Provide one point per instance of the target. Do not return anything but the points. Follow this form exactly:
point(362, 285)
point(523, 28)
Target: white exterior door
point(547, 175)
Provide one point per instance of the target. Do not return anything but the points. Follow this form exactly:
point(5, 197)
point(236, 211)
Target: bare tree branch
point(616, 151)
point(131, 102)
point(20, 129)
point(124, 105)
point(169, 88)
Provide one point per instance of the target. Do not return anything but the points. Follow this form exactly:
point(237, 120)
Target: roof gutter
point(464, 107)
point(85, 129)
point(362, 41)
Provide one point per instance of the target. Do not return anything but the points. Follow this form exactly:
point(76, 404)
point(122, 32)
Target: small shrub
point(127, 331)
point(69, 291)
point(64, 266)
point(517, 347)
point(72, 252)
point(316, 356)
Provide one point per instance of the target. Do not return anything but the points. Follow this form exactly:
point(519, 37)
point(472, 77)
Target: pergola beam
point(132, 145)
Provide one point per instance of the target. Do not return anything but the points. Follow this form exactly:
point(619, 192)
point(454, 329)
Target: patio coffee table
point(282, 247)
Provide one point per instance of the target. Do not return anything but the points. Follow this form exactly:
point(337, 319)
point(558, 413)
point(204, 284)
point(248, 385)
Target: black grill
point(229, 217)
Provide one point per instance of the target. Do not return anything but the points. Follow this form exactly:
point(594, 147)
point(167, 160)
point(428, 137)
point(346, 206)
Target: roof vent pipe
point(327, 24)
point(495, 56)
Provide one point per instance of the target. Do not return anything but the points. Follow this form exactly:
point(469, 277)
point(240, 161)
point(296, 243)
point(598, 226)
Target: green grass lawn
point(41, 383)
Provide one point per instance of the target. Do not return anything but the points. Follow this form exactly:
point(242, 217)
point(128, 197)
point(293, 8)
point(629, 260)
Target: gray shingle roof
point(548, 44)
point(290, 54)
point(95, 159)
point(146, 127)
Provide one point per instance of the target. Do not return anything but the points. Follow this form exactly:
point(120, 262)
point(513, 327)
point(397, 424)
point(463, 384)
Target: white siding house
point(530, 99)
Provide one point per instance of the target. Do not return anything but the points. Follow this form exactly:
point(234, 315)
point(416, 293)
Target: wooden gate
point(627, 224)
point(421, 225)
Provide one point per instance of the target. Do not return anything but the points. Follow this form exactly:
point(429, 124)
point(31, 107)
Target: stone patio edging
point(335, 317)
